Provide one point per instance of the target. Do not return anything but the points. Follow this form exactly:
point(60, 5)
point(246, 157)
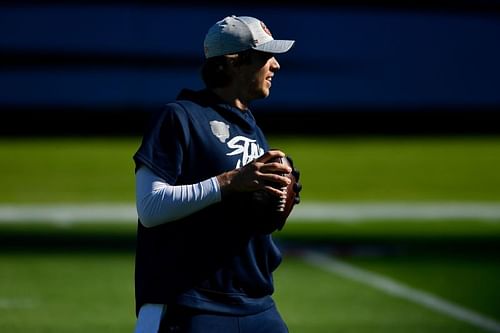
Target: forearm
point(159, 202)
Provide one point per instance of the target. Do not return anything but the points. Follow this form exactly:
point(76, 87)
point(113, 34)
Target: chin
point(261, 95)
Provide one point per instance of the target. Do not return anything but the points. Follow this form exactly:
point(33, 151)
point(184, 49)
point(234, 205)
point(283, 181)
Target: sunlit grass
point(340, 169)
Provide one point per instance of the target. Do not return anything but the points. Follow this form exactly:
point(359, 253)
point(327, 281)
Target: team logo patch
point(220, 130)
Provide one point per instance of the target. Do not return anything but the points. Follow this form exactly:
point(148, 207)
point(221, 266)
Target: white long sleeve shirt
point(158, 202)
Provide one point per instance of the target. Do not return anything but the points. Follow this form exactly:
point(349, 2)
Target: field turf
point(346, 169)
point(79, 277)
point(92, 291)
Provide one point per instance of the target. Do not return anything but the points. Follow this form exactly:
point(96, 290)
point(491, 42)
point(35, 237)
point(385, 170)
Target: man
point(205, 255)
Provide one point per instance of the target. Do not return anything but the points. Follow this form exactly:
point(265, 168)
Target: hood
point(206, 98)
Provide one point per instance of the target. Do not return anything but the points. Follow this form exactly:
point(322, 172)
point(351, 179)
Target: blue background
point(343, 58)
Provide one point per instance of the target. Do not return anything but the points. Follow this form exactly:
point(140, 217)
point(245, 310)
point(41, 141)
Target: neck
point(230, 96)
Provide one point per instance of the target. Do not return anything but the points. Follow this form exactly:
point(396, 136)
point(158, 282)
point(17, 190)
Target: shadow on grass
point(75, 238)
point(121, 238)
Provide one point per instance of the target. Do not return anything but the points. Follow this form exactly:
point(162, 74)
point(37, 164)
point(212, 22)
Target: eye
point(266, 56)
point(262, 57)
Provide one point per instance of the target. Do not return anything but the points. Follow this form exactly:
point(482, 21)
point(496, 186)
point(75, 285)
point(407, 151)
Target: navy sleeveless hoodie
point(216, 259)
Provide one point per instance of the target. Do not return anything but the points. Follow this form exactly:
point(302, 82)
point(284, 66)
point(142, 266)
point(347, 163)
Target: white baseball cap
point(235, 34)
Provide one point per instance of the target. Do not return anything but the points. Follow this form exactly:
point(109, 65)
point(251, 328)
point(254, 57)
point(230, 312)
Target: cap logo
point(265, 28)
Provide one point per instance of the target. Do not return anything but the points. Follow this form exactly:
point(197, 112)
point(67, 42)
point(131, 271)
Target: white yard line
point(352, 212)
point(310, 212)
point(68, 213)
point(395, 288)
point(17, 303)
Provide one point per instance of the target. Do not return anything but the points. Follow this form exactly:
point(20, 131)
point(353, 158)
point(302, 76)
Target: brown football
point(287, 204)
point(273, 210)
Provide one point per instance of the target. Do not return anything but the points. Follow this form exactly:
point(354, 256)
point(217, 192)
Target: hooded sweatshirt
point(217, 259)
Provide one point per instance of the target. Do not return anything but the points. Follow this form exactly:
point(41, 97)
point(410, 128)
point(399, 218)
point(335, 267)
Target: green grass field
point(79, 277)
point(82, 292)
point(401, 169)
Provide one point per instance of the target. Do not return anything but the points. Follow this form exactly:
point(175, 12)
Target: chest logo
point(248, 149)
point(220, 130)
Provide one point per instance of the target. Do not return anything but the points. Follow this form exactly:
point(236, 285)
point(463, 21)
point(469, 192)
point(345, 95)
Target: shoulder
point(176, 108)
point(170, 113)
point(183, 110)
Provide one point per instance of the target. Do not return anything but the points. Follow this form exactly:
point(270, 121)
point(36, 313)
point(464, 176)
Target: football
point(287, 203)
point(275, 211)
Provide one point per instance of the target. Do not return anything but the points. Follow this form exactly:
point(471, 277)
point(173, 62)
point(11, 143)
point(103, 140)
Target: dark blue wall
point(116, 55)
point(98, 67)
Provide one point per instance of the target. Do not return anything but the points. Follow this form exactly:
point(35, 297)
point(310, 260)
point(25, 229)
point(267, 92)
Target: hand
point(297, 187)
point(257, 175)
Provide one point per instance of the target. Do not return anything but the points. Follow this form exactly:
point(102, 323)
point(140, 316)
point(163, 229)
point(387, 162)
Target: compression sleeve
point(158, 202)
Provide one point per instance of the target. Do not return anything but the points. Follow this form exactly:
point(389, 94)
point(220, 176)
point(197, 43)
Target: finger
point(297, 187)
point(275, 167)
point(273, 178)
point(268, 155)
point(277, 192)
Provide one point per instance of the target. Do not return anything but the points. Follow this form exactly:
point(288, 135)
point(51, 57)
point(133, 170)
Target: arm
point(158, 202)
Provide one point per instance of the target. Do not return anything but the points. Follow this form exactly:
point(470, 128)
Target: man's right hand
point(257, 175)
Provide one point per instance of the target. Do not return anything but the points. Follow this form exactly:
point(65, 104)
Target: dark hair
point(214, 70)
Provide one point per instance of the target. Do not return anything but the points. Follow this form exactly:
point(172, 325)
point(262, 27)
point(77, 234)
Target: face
point(254, 79)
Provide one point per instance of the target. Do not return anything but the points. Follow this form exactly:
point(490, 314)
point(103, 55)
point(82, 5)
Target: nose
point(275, 65)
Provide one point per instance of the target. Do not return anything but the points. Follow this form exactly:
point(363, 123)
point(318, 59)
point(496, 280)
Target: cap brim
point(275, 46)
